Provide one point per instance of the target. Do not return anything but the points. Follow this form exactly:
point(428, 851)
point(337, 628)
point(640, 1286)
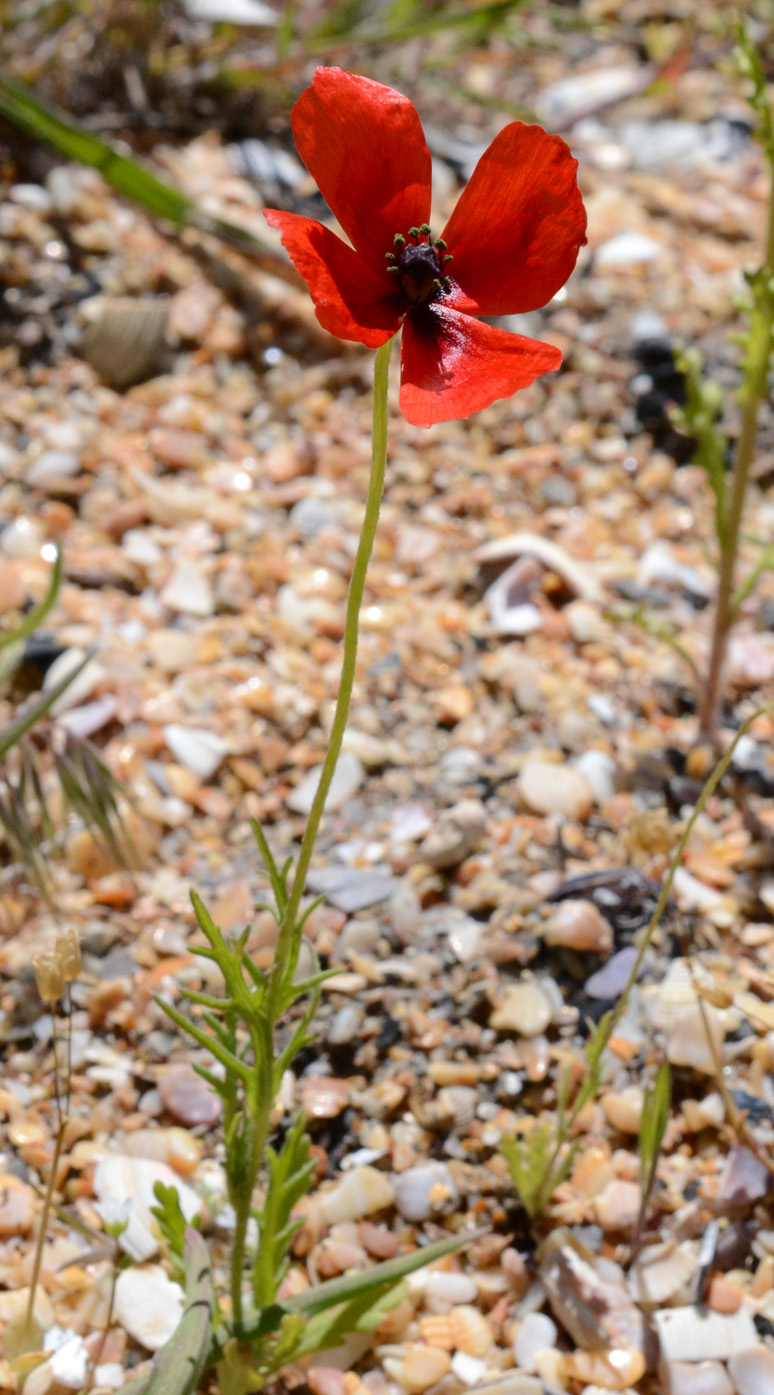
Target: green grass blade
point(37, 615)
point(13, 733)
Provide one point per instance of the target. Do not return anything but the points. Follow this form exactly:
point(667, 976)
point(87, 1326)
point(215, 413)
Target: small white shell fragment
point(81, 687)
point(148, 1305)
point(469, 1369)
point(453, 1288)
point(660, 1271)
point(698, 1334)
point(359, 1193)
point(522, 1007)
point(424, 1190)
point(695, 1378)
point(119, 1177)
point(197, 749)
point(537, 1333)
point(69, 1357)
point(575, 574)
point(753, 1371)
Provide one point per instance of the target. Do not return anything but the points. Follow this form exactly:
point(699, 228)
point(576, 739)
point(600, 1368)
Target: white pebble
point(424, 1190)
point(188, 591)
point(537, 1333)
point(347, 778)
point(52, 465)
point(197, 749)
point(22, 537)
point(753, 1371)
point(148, 1305)
point(359, 1193)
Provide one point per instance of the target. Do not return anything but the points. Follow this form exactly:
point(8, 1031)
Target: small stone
point(628, 249)
point(81, 687)
point(187, 1097)
point(322, 1097)
point(188, 591)
point(418, 1368)
point(451, 705)
point(752, 1371)
point(52, 465)
point(18, 1206)
point(536, 1333)
point(579, 925)
point(745, 1180)
point(618, 1206)
point(623, 1108)
point(22, 537)
point(424, 1191)
point(347, 779)
point(547, 787)
point(176, 448)
point(148, 1305)
point(361, 1192)
point(695, 1378)
point(523, 1008)
point(599, 771)
point(688, 1043)
point(197, 749)
point(456, 835)
point(611, 980)
point(352, 889)
point(118, 1177)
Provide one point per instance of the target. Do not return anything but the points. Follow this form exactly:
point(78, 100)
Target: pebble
point(361, 1192)
point(18, 1206)
point(599, 770)
point(536, 1333)
point(456, 835)
point(352, 889)
point(611, 980)
point(628, 249)
point(322, 1097)
point(450, 1287)
point(623, 1108)
point(418, 1368)
point(424, 1191)
point(698, 1334)
point(148, 1304)
point(522, 1008)
point(745, 1179)
point(547, 787)
point(752, 1371)
point(198, 750)
point(579, 925)
point(618, 1207)
point(81, 687)
point(22, 537)
point(187, 1097)
point(52, 465)
point(188, 592)
point(348, 777)
point(695, 1378)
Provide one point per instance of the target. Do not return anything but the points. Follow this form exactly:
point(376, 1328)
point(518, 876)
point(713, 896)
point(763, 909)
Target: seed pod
point(48, 977)
point(68, 954)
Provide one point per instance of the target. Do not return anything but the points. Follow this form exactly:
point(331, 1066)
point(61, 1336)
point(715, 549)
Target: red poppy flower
point(509, 245)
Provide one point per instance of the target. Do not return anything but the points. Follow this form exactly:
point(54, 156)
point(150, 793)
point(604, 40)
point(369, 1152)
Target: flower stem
point(287, 948)
point(754, 390)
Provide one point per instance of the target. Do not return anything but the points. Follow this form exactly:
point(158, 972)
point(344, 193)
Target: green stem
point(754, 390)
point(287, 948)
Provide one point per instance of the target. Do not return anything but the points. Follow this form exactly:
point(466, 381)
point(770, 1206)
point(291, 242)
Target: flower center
point(418, 264)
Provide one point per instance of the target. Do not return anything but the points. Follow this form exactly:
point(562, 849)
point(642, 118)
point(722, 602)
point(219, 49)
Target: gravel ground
point(519, 764)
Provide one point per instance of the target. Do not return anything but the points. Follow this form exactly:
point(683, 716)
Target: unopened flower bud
point(68, 954)
point(48, 977)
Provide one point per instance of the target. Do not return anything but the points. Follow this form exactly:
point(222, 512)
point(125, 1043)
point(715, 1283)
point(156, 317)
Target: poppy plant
point(510, 244)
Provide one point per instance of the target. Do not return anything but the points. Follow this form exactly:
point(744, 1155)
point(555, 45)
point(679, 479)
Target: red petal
point(518, 225)
point(452, 365)
point(365, 147)
point(350, 300)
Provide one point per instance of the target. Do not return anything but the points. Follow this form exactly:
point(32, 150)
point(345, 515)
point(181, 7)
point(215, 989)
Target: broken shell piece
point(660, 1271)
point(148, 1305)
point(613, 1370)
point(698, 1334)
point(599, 1316)
point(418, 1367)
point(118, 1177)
